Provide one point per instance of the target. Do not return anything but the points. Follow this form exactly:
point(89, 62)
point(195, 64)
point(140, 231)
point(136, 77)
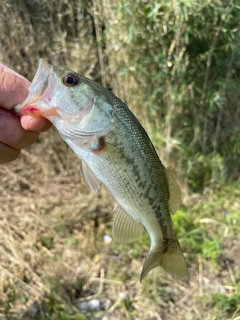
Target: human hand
point(16, 133)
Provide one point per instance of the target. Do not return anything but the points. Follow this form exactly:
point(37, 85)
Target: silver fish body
point(115, 150)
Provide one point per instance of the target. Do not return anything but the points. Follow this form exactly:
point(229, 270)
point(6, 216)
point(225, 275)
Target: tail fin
point(171, 261)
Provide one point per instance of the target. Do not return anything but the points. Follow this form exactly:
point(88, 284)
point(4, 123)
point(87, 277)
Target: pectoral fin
point(125, 228)
point(89, 177)
point(175, 198)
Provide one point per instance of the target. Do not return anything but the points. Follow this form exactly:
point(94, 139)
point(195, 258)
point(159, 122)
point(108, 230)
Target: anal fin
point(125, 228)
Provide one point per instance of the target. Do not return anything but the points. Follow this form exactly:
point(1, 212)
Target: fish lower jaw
point(29, 110)
point(34, 110)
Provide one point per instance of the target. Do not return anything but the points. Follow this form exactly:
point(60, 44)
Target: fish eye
point(70, 80)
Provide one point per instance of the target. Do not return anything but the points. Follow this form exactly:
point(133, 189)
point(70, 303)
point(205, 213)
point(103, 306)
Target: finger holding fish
point(16, 133)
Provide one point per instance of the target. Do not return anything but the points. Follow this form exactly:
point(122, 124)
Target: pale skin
point(16, 133)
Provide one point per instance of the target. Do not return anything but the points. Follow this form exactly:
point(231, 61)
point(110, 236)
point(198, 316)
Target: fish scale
point(116, 151)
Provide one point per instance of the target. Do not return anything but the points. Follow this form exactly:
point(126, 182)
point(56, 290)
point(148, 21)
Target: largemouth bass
point(114, 150)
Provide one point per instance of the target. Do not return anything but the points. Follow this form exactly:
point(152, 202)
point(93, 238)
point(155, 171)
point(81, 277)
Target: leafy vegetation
point(185, 63)
point(176, 64)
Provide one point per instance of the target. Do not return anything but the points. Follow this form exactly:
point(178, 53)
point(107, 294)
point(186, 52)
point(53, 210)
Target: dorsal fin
point(89, 177)
point(125, 228)
point(175, 198)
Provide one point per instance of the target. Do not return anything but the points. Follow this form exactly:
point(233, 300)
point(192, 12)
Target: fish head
point(60, 94)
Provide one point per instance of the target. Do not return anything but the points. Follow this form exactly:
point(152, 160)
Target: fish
point(115, 151)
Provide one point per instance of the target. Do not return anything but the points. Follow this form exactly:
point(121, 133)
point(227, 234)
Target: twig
point(231, 273)
point(99, 46)
point(115, 305)
point(235, 313)
point(200, 276)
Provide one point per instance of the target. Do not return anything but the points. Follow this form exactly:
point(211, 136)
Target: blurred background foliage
point(176, 64)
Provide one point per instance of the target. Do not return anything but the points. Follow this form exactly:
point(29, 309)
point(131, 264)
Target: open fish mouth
point(40, 80)
point(40, 93)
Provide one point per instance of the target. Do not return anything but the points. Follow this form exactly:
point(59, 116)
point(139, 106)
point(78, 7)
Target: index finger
point(13, 88)
point(4, 68)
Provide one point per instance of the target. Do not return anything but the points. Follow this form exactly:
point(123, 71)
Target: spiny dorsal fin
point(175, 198)
point(125, 228)
point(89, 177)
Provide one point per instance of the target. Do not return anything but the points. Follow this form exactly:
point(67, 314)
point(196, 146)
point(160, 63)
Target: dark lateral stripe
point(164, 229)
